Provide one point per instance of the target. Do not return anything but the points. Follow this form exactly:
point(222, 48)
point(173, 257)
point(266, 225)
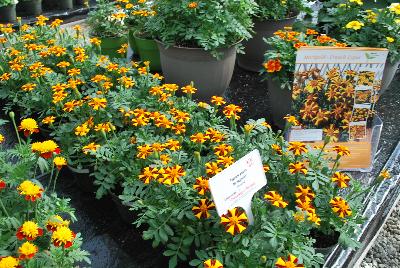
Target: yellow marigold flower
point(74, 72)
point(213, 263)
point(395, 7)
point(304, 193)
point(223, 149)
point(341, 150)
point(95, 41)
point(235, 221)
point(275, 199)
point(28, 87)
point(171, 175)
point(218, 101)
point(165, 159)
point(313, 217)
point(28, 126)
point(203, 105)
point(1, 138)
point(299, 216)
point(340, 206)
point(97, 103)
point(305, 205)
point(232, 110)
point(225, 161)
point(355, 25)
point(266, 168)
point(48, 120)
point(29, 231)
point(91, 147)
point(341, 179)
point(277, 149)
point(199, 138)
point(9, 262)
point(212, 168)
point(297, 147)
point(63, 236)
point(56, 23)
point(298, 167)
point(173, 145)
point(27, 250)
point(179, 129)
point(30, 190)
point(82, 130)
point(390, 39)
point(189, 89)
point(46, 148)
point(291, 262)
point(358, 2)
point(291, 120)
point(59, 162)
point(201, 185)
point(5, 76)
point(55, 222)
point(148, 174)
point(201, 210)
point(385, 174)
point(144, 151)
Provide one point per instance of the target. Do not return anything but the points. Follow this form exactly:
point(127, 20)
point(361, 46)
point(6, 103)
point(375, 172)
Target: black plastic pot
point(211, 76)
point(126, 215)
point(388, 75)
point(81, 2)
point(280, 101)
point(8, 13)
point(30, 7)
point(83, 179)
point(65, 4)
point(256, 47)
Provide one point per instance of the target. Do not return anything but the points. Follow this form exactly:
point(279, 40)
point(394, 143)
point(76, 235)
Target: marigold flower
point(297, 147)
point(97, 103)
point(225, 161)
point(54, 222)
point(9, 262)
point(298, 167)
point(232, 110)
point(305, 205)
point(277, 149)
point(290, 262)
point(395, 8)
point(235, 221)
point(82, 130)
point(291, 120)
point(1, 138)
point(173, 145)
point(201, 185)
point(171, 175)
point(5, 77)
point(311, 32)
point(313, 217)
point(63, 236)
point(179, 129)
point(91, 147)
point(218, 101)
point(144, 151)
point(30, 190)
point(203, 105)
point(355, 25)
point(199, 138)
point(341, 179)
point(340, 207)
point(74, 72)
point(275, 199)
point(28, 87)
point(266, 168)
point(148, 174)
point(48, 120)
point(29, 231)
point(193, 5)
point(201, 210)
point(2, 184)
point(212, 168)
point(189, 89)
point(385, 174)
point(46, 149)
point(304, 193)
point(59, 162)
point(27, 250)
point(215, 135)
point(273, 65)
point(341, 150)
point(28, 126)
point(223, 149)
point(213, 263)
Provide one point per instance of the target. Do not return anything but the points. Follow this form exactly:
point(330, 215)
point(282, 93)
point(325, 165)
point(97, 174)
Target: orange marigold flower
point(311, 32)
point(30, 190)
point(213, 263)
point(297, 147)
point(46, 149)
point(179, 129)
point(341, 150)
point(304, 193)
point(48, 120)
point(59, 162)
point(193, 5)
point(266, 168)
point(215, 135)
point(291, 120)
point(273, 66)
point(201, 185)
point(189, 89)
point(305, 205)
point(55, 222)
point(148, 174)
point(27, 250)
point(201, 210)
point(82, 130)
point(212, 168)
point(275, 199)
point(218, 101)
point(290, 262)
point(277, 149)
point(91, 147)
point(171, 175)
point(97, 103)
point(225, 161)
point(298, 167)
point(199, 138)
point(341, 179)
point(340, 206)
point(63, 236)
point(173, 145)
point(300, 44)
point(144, 151)
point(28, 126)
point(384, 175)
point(29, 231)
point(235, 221)
point(232, 110)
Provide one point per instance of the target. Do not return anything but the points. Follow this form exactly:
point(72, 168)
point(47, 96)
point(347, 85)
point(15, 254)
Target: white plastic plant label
point(236, 185)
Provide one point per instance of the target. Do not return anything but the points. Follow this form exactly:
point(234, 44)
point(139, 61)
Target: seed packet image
point(358, 130)
point(363, 96)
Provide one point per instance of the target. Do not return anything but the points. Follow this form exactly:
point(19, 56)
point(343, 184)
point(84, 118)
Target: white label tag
point(236, 185)
point(305, 135)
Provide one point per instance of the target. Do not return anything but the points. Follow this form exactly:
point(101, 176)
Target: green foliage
point(279, 9)
point(4, 3)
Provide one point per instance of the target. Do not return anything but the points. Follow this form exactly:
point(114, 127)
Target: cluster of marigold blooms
point(298, 40)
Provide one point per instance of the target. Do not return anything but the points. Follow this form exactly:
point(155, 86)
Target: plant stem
point(16, 129)
point(51, 176)
point(55, 180)
point(4, 209)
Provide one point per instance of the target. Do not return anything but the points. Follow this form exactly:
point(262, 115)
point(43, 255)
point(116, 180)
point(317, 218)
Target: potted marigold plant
point(198, 40)
point(107, 23)
point(140, 39)
point(280, 63)
point(269, 18)
point(7, 10)
point(30, 7)
point(375, 27)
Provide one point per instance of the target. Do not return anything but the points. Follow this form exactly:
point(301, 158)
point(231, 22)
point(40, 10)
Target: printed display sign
point(335, 91)
point(236, 185)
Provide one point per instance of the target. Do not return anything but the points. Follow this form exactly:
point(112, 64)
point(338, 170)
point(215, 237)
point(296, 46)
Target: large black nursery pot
point(30, 7)
point(280, 101)
point(256, 47)
point(211, 76)
point(388, 74)
point(8, 14)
